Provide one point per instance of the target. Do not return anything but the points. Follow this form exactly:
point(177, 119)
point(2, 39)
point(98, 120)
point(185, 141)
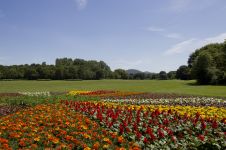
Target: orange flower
point(37, 139)
point(87, 136)
point(96, 145)
point(107, 140)
point(22, 143)
point(34, 146)
point(2, 140)
point(67, 123)
point(135, 146)
point(6, 147)
point(68, 137)
point(55, 140)
point(63, 132)
point(121, 148)
point(120, 139)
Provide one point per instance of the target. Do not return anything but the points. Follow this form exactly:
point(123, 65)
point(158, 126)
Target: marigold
point(55, 140)
point(120, 139)
point(87, 148)
point(107, 140)
point(84, 127)
point(37, 139)
point(106, 146)
point(96, 145)
point(86, 136)
point(22, 143)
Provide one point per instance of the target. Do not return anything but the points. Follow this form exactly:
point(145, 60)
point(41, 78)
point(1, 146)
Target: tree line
point(67, 68)
point(64, 68)
point(207, 65)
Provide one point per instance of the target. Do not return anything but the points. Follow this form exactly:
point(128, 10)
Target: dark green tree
point(120, 74)
point(163, 75)
point(201, 69)
point(183, 73)
point(171, 75)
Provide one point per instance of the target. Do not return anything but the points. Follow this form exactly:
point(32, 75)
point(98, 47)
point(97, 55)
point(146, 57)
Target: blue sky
point(150, 35)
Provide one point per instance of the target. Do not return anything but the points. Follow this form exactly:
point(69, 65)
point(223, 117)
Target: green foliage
point(183, 73)
point(171, 75)
point(202, 68)
point(120, 74)
point(208, 64)
point(65, 68)
point(162, 75)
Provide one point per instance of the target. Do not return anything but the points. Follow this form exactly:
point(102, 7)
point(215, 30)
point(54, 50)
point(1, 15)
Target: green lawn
point(167, 86)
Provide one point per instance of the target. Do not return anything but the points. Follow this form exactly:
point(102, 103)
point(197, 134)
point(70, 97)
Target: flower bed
point(55, 127)
point(157, 126)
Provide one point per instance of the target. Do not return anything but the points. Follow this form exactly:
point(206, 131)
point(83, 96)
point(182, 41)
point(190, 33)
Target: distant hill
point(147, 72)
point(133, 71)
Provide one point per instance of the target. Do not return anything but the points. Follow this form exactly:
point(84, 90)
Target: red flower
point(170, 132)
point(173, 138)
point(121, 129)
point(214, 124)
point(145, 140)
point(160, 133)
point(203, 124)
point(166, 121)
point(201, 137)
point(138, 134)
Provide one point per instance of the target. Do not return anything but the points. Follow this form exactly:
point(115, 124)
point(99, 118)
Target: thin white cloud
point(155, 29)
point(173, 36)
point(216, 39)
point(193, 44)
point(81, 4)
point(164, 32)
point(180, 47)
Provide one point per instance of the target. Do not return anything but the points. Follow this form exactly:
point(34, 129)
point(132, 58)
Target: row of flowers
point(156, 127)
point(107, 94)
point(195, 101)
point(55, 126)
point(103, 93)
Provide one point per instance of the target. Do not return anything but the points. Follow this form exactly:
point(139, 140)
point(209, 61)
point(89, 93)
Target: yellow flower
point(84, 127)
point(106, 139)
point(86, 136)
point(106, 146)
point(87, 148)
point(37, 139)
point(57, 128)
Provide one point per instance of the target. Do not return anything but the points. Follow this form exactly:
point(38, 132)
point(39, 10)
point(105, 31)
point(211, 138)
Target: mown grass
point(155, 86)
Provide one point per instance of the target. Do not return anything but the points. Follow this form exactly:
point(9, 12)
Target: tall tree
point(183, 73)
